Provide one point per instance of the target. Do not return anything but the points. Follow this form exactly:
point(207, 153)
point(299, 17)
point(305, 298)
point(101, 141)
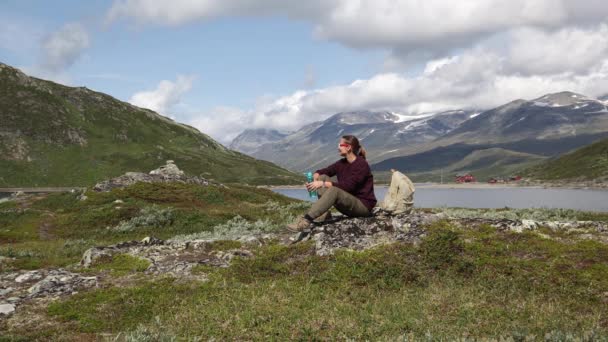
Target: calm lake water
point(590, 200)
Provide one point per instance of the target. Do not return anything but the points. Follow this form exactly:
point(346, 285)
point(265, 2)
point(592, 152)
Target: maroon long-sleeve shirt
point(355, 178)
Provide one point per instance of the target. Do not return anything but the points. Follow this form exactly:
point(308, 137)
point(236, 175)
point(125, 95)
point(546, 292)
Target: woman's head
point(350, 144)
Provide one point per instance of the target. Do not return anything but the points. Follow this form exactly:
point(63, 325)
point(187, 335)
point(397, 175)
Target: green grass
point(474, 283)
point(587, 163)
point(121, 264)
point(55, 230)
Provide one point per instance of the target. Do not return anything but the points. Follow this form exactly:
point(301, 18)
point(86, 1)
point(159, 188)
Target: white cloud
point(59, 51)
point(166, 95)
point(64, 47)
point(571, 49)
point(222, 123)
point(398, 25)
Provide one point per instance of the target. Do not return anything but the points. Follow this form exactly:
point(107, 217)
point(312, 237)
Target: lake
point(580, 199)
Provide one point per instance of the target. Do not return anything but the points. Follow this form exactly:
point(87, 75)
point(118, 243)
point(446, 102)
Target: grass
point(54, 231)
point(587, 163)
point(458, 282)
point(472, 283)
point(121, 264)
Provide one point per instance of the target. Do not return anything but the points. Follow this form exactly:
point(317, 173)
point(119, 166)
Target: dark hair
point(354, 143)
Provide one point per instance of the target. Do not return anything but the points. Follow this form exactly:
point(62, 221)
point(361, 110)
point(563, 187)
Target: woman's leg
point(346, 203)
point(350, 205)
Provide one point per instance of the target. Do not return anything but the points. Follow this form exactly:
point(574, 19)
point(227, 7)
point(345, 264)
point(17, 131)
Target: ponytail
point(363, 152)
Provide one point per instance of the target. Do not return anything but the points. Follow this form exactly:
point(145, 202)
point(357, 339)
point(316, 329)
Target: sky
point(223, 66)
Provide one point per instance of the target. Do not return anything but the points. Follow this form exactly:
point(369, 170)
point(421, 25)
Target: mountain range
point(492, 142)
point(54, 135)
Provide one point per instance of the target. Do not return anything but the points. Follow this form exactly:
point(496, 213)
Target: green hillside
point(483, 164)
point(587, 163)
point(53, 135)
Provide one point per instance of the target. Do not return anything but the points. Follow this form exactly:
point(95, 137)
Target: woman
point(353, 193)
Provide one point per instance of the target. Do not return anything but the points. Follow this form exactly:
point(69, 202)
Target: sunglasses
point(343, 145)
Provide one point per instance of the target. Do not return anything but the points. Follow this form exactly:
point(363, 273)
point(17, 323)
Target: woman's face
point(343, 147)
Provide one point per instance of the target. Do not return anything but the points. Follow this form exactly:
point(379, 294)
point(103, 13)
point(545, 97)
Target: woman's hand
point(312, 186)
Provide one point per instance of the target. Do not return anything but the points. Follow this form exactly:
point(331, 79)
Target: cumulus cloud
point(571, 49)
point(398, 25)
point(165, 97)
point(64, 47)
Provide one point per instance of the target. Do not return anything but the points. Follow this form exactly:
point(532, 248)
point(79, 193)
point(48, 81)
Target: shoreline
point(573, 186)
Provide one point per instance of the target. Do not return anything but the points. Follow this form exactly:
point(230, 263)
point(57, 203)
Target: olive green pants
point(346, 203)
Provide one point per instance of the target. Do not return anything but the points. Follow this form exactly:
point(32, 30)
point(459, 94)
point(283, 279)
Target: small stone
point(32, 275)
point(6, 291)
point(118, 201)
point(6, 309)
point(13, 299)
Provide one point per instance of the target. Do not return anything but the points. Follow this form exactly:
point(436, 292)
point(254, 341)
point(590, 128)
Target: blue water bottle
point(312, 194)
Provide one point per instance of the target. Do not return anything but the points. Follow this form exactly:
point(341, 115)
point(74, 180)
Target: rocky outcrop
point(18, 287)
point(164, 174)
point(382, 228)
point(169, 257)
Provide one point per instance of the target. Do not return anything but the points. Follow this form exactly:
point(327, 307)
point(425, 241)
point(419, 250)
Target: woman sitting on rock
point(353, 193)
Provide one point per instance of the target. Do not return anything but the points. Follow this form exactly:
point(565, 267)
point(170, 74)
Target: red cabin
point(465, 178)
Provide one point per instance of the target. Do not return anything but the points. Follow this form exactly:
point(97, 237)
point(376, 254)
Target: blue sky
point(233, 60)
point(225, 66)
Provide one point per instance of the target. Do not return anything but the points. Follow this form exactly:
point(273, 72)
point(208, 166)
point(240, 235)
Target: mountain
point(551, 116)
point(381, 133)
point(250, 140)
point(54, 135)
point(587, 163)
point(545, 127)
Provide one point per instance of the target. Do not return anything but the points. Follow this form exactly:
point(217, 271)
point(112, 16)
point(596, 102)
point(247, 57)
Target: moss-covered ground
point(458, 283)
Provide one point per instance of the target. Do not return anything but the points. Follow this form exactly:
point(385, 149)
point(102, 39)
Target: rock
point(164, 174)
point(151, 241)
point(365, 232)
point(17, 194)
point(61, 282)
point(95, 253)
point(118, 201)
point(29, 276)
point(6, 309)
point(170, 169)
point(5, 291)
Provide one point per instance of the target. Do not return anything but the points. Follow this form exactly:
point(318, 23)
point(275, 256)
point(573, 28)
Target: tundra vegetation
point(458, 282)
